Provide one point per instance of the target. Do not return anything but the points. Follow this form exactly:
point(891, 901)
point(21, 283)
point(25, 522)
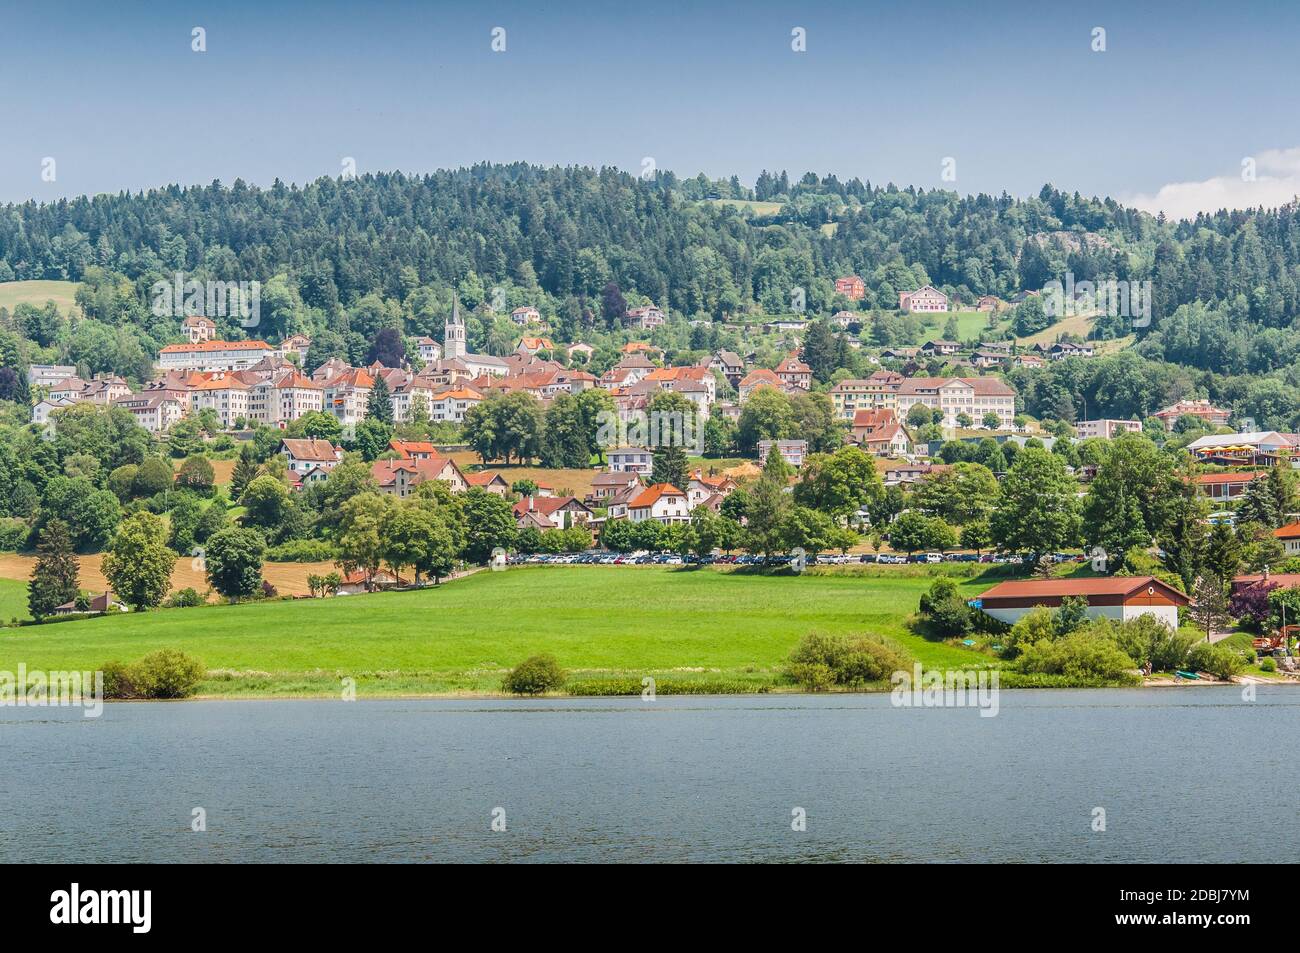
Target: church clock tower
point(453, 338)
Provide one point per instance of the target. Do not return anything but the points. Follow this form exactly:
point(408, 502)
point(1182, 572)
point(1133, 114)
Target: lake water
point(1183, 774)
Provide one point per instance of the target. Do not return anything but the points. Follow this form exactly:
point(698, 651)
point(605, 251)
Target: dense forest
point(343, 259)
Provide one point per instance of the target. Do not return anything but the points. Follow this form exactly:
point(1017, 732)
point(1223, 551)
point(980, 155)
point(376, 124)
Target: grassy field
point(13, 600)
point(971, 325)
point(289, 578)
point(38, 292)
point(461, 637)
point(758, 208)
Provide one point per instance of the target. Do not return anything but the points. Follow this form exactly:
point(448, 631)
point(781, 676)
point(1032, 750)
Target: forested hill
point(572, 230)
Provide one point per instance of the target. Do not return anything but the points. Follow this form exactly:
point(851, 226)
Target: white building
point(213, 355)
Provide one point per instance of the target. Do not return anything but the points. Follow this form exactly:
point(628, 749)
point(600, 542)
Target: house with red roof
point(1110, 597)
point(551, 512)
point(303, 456)
point(662, 502)
point(400, 477)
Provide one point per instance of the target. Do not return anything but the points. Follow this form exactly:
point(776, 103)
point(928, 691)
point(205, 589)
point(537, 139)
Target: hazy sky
point(113, 92)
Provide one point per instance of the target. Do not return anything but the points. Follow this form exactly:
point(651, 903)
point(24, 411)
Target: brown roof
point(311, 449)
point(1098, 586)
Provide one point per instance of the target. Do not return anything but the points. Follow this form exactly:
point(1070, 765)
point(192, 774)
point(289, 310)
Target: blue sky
point(1014, 93)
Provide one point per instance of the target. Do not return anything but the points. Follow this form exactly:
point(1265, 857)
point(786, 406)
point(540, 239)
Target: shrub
point(1267, 665)
point(1084, 653)
point(821, 660)
point(13, 534)
point(1146, 638)
point(302, 551)
point(186, 598)
point(118, 683)
point(1219, 660)
point(945, 609)
point(167, 673)
point(535, 675)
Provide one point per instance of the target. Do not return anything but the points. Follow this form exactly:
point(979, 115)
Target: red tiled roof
point(651, 495)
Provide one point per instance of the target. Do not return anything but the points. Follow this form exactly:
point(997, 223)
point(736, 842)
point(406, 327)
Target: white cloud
point(1276, 182)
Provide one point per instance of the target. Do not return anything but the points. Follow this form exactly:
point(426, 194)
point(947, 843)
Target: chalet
point(793, 372)
point(605, 486)
point(1027, 360)
point(1110, 597)
point(400, 477)
point(939, 348)
point(489, 481)
point(852, 287)
point(551, 512)
point(846, 319)
point(710, 491)
point(910, 473)
point(792, 452)
point(1063, 349)
point(1289, 535)
point(1227, 486)
point(295, 344)
point(96, 605)
point(662, 502)
point(880, 433)
point(729, 364)
point(526, 315)
point(983, 358)
point(903, 354)
point(301, 456)
point(646, 318)
point(989, 303)
point(927, 299)
point(413, 449)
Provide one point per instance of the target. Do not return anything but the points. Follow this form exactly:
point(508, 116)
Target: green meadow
point(13, 600)
point(599, 622)
point(62, 293)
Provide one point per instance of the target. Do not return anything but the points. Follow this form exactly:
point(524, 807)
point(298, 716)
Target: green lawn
point(13, 600)
point(37, 293)
point(597, 621)
point(971, 325)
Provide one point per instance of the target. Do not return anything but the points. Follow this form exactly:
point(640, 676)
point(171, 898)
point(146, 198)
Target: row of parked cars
point(603, 558)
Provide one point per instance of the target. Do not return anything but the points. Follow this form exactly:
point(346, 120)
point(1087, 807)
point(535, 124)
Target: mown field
point(461, 637)
point(13, 600)
point(38, 292)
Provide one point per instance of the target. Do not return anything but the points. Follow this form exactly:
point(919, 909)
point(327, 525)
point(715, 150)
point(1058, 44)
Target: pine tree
point(1259, 505)
point(380, 406)
point(244, 473)
point(670, 466)
point(56, 575)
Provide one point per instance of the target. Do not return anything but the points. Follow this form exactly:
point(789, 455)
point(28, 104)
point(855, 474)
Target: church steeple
point(453, 337)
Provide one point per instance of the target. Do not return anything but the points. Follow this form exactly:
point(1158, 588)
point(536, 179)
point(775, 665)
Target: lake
point(1183, 774)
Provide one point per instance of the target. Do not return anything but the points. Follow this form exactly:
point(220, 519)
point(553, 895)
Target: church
point(454, 354)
